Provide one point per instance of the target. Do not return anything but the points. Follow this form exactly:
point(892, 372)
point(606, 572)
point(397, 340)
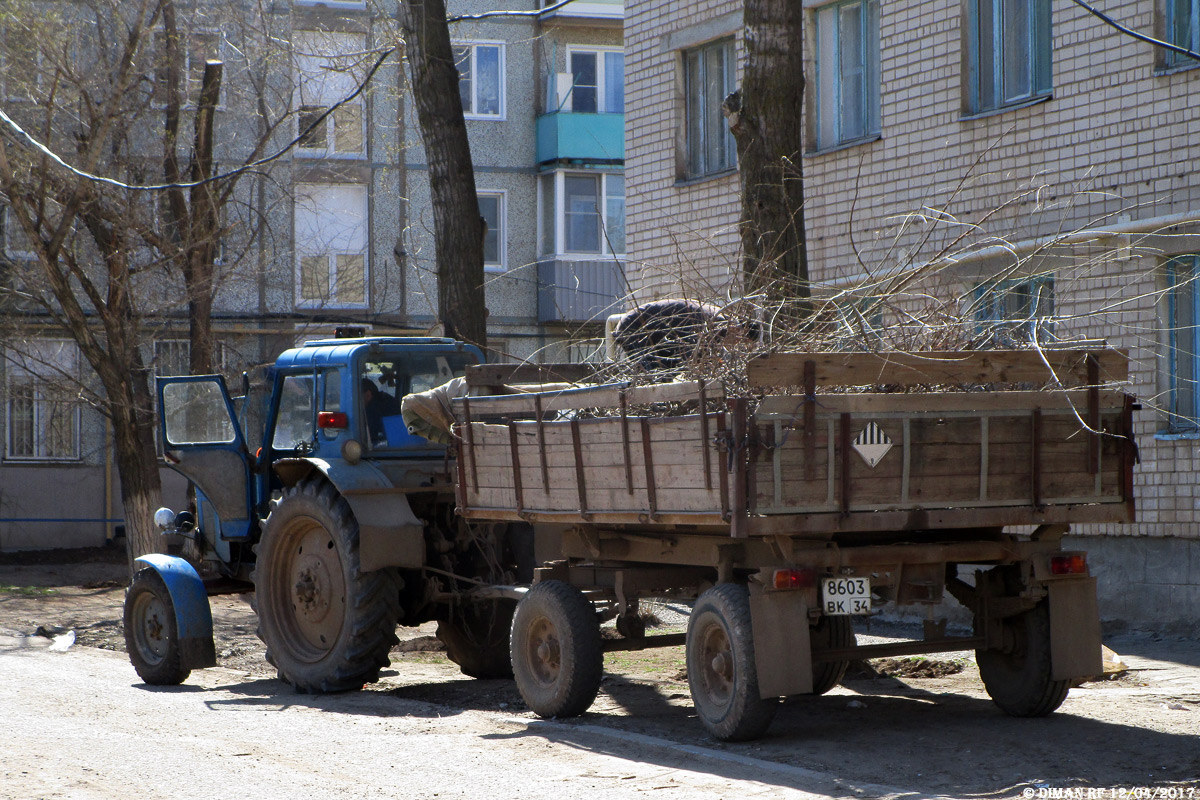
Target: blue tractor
point(312, 493)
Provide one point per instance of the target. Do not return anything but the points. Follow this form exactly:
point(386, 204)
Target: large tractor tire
point(830, 633)
point(720, 665)
point(557, 656)
point(151, 633)
point(327, 626)
point(1018, 680)
point(477, 638)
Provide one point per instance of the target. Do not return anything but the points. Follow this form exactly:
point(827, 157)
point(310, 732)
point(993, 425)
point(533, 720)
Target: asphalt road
point(79, 724)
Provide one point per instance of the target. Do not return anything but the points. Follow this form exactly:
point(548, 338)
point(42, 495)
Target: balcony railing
point(581, 138)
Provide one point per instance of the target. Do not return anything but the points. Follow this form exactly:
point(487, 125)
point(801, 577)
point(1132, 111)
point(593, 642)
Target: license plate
point(846, 596)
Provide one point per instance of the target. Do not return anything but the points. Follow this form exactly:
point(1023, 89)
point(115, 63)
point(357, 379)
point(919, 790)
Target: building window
point(1183, 343)
point(1014, 311)
point(491, 208)
point(328, 70)
point(481, 79)
point(1183, 29)
point(1010, 48)
point(597, 81)
point(583, 213)
point(43, 412)
point(331, 245)
point(16, 244)
point(847, 72)
point(172, 357)
point(710, 74)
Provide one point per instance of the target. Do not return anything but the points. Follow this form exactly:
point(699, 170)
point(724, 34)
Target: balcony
point(581, 138)
point(579, 291)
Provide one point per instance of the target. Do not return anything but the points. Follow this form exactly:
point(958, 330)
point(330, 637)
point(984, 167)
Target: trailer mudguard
point(193, 617)
point(1075, 646)
point(782, 650)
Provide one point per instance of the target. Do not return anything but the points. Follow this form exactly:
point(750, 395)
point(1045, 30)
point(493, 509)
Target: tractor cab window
point(385, 382)
point(295, 422)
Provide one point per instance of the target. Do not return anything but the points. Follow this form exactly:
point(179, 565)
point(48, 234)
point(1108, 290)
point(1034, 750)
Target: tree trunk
point(457, 225)
point(132, 414)
point(205, 227)
point(765, 117)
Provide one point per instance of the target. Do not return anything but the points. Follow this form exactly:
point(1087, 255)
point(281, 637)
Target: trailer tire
point(327, 626)
point(557, 657)
point(1019, 682)
point(477, 638)
point(830, 632)
point(151, 632)
point(721, 669)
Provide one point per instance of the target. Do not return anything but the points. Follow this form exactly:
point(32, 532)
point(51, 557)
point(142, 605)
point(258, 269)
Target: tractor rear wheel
point(327, 626)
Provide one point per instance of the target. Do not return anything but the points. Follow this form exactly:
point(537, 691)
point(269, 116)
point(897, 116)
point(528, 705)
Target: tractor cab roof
point(342, 352)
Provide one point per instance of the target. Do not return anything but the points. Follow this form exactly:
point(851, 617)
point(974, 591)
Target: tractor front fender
point(389, 533)
point(193, 617)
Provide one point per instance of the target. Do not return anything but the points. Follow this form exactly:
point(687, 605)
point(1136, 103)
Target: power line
point(1130, 32)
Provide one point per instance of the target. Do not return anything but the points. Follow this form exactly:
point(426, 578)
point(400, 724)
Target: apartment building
point(1021, 167)
point(338, 230)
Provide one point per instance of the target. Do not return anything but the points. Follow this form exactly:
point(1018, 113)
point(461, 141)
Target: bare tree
point(108, 260)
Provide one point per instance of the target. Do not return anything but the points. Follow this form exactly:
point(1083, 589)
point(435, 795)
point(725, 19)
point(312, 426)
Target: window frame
point(1039, 57)
point(602, 77)
point(992, 319)
point(7, 220)
point(696, 106)
point(328, 126)
point(330, 253)
point(872, 79)
point(473, 45)
point(37, 380)
point(1171, 60)
point(558, 249)
point(501, 195)
point(1179, 421)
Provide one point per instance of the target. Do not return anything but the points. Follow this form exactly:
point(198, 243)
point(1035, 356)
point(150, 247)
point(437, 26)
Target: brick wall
point(1116, 143)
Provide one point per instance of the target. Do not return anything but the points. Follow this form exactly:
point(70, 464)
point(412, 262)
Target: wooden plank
point(603, 396)
point(500, 374)
point(599, 501)
point(1069, 367)
point(897, 404)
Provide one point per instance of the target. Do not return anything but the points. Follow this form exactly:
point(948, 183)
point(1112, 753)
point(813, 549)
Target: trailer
point(828, 486)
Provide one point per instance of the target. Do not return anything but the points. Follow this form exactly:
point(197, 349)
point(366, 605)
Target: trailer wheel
point(477, 638)
point(721, 669)
point(1018, 681)
point(830, 632)
point(327, 626)
point(151, 633)
point(557, 658)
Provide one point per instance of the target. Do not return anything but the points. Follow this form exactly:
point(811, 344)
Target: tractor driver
point(377, 405)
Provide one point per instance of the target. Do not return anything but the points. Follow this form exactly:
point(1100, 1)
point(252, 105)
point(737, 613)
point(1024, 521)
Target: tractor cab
point(331, 405)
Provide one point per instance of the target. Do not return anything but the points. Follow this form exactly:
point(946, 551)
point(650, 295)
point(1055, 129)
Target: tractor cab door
point(203, 441)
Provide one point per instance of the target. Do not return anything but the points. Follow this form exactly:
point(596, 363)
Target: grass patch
point(27, 591)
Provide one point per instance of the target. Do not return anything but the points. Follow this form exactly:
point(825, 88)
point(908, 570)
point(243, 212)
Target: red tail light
point(795, 578)
point(333, 419)
point(1074, 564)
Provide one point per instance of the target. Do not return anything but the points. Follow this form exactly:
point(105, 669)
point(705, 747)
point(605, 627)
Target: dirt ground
point(923, 724)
